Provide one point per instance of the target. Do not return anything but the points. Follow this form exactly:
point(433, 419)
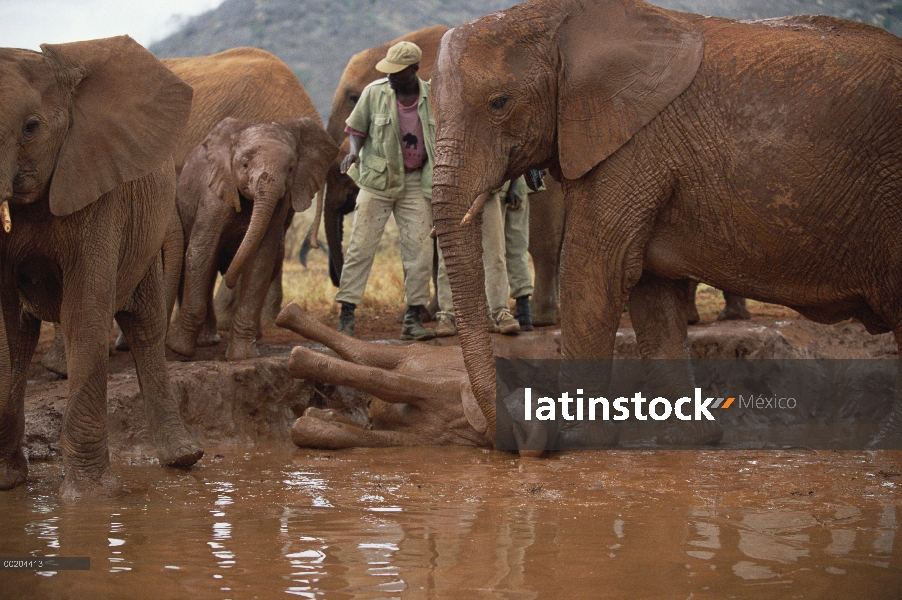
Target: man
point(516, 247)
point(392, 153)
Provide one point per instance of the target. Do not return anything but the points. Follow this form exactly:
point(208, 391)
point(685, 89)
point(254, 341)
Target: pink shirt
point(412, 147)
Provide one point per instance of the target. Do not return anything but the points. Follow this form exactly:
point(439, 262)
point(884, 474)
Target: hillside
point(317, 37)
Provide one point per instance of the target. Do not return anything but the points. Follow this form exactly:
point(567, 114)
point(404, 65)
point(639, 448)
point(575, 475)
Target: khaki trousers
point(413, 214)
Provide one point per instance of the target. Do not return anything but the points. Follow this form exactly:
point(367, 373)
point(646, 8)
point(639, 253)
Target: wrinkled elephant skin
point(89, 211)
point(236, 197)
point(763, 158)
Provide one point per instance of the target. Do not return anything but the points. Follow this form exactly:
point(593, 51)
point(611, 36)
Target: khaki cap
point(399, 57)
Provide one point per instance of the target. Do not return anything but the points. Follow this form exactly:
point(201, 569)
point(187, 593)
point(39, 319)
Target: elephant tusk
point(5, 216)
point(475, 209)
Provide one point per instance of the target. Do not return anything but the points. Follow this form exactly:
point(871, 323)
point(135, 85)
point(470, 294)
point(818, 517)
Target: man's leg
point(493, 261)
point(413, 214)
point(370, 216)
point(516, 247)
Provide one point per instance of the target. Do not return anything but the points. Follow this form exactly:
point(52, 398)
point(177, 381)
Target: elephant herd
point(761, 157)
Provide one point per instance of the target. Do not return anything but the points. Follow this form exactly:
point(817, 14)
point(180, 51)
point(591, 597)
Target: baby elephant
point(237, 194)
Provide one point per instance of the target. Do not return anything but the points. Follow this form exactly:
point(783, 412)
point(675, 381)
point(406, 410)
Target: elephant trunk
point(462, 250)
point(266, 197)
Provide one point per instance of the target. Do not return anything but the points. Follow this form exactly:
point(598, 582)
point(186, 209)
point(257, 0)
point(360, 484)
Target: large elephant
point(764, 158)
point(244, 83)
point(236, 197)
point(88, 131)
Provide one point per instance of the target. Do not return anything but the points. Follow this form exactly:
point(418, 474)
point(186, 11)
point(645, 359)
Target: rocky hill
point(317, 37)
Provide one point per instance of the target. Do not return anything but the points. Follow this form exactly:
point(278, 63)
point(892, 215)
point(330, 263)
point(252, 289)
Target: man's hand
point(350, 159)
point(513, 199)
point(353, 156)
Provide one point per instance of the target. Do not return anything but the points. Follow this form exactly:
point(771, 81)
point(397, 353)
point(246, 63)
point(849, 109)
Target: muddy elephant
point(420, 393)
point(244, 83)
point(754, 156)
point(88, 131)
point(237, 194)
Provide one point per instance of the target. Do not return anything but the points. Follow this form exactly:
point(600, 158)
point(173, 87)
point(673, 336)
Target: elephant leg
point(692, 310)
point(273, 303)
point(24, 331)
point(199, 276)
point(890, 434)
point(658, 310)
point(317, 429)
point(255, 281)
point(144, 324)
point(209, 333)
point(735, 309)
point(85, 317)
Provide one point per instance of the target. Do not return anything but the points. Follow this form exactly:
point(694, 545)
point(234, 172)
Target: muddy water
point(465, 523)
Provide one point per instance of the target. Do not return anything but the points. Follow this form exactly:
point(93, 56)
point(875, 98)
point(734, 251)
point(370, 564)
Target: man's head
point(401, 64)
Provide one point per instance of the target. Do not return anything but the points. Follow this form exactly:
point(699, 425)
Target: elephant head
point(265, 163)
point(558, 84)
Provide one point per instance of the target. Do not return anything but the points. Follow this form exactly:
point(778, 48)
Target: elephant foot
point(54, 360)
point(85, 485)
point(242, 350)
point(13, 470)
point(175, 447)
point(735, 310)
point(208, 338)
point(179, 451)
point(179, 341)
point(694, 433)
point(313, 432)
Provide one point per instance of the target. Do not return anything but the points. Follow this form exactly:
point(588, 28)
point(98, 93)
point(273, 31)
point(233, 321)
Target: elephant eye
point(499, 102)
point(354, 98)
point(30, 127)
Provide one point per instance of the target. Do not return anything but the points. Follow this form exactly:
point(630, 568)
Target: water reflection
point(414, 523)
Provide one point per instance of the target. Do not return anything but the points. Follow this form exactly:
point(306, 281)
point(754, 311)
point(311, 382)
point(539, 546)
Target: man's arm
point(354, 154)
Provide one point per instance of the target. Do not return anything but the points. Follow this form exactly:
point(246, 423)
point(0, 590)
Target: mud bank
point(255, 402)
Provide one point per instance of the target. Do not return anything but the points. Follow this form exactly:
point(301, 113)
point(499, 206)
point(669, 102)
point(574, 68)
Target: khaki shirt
point(381, 167)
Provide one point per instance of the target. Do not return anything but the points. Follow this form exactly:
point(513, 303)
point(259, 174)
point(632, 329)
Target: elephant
point(421, 394)
point(86, 171)
point(734, 310)
point(244, 83)
point(237, 194)
point(763, 158)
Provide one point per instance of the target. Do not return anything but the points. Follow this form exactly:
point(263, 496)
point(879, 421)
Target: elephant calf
point(237, 194)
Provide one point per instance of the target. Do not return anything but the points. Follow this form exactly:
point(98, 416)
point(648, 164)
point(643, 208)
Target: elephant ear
point(316, 152)
point(128, 113)
point(623, 62)
point(219, 148)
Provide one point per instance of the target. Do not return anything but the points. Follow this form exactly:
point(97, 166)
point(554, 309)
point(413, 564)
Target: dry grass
point(311, 288)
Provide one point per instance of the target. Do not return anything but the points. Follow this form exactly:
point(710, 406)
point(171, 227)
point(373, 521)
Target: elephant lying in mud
point(236, 197)
point(88, 132)
point(421, 394)
point(764, 158)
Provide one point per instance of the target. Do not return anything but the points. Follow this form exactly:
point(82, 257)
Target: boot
point(413, 326)
point(346, 320)
point(524, 313)
point(503, 322)
point(445, 326)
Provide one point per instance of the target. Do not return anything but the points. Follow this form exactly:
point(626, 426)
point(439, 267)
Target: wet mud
point(258, 517)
